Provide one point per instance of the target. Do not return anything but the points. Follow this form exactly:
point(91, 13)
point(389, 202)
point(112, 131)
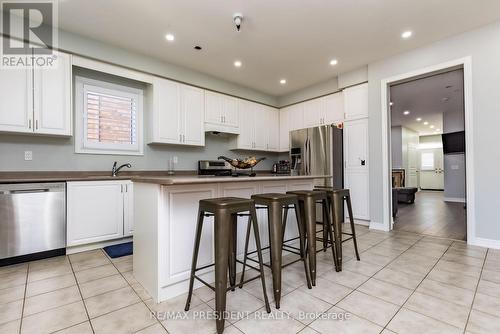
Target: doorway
point(427, 156)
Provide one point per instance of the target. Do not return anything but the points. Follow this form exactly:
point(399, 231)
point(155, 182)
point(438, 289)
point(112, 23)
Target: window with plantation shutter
point(109, 118)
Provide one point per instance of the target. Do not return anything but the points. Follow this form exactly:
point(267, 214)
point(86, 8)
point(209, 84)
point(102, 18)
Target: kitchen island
point(165, 214)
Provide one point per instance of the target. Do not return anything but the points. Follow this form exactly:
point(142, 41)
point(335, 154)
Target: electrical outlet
point(28, 155)
point(175, 160)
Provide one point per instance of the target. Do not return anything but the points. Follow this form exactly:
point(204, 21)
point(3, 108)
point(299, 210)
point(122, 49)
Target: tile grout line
point(81, 295)
point(24, 297)
point(475, 292)
point(141, 301)
point(369, 277)
point(385, 327)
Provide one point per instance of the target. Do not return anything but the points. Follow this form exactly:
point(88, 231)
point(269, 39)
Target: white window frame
point(426, 168)
point(82, 85)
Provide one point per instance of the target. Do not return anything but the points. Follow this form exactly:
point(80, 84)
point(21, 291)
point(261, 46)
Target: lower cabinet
point(179, 211)
point(99, 211)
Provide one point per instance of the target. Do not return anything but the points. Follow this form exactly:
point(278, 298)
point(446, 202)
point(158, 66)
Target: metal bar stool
point(225, 211)
point(336, 197)
point(277, 206)
point(307, 203)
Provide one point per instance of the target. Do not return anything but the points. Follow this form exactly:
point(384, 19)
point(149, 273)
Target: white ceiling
point(427, 98)
point(292, 39)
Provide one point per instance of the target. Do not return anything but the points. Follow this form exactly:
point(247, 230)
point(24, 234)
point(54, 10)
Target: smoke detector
point(238, 18)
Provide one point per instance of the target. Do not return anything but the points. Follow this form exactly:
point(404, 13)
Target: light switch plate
point(28, 155)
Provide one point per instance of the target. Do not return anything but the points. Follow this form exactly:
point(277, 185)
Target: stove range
point(220, 168)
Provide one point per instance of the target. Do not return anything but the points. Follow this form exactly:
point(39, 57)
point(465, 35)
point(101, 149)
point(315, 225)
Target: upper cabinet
point(221, 113)
point(37, 101)
point(356, 102)
point(177, 115)
point(324, 110)
point(259, 127)
point(334, 108)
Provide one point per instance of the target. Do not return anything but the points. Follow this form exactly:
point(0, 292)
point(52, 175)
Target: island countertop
point(184, 179)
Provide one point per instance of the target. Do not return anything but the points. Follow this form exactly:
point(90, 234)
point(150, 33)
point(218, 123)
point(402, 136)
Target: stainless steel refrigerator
point(318, 151)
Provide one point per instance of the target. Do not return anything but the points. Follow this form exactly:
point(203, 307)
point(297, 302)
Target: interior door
point(411, 177)
point(431, 169)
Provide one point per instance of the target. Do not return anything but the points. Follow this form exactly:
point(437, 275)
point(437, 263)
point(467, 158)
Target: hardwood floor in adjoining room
point(431, 215)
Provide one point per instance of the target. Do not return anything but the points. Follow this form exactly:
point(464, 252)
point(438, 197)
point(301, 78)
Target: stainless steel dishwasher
point(32, 221)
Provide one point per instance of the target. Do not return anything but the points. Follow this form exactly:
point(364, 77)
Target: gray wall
point(310, 92)
point(454, 164)
point(59, 153)
point(482, 45)
point(397, 146)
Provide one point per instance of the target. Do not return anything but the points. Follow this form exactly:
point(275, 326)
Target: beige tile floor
point(404, 283)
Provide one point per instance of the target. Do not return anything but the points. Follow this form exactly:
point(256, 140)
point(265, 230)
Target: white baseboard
point(97, 245)
point(378, 226)
point(454, 199)
point(483, 242)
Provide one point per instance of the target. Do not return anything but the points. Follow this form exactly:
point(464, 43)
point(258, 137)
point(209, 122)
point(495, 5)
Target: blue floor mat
point(119, 250)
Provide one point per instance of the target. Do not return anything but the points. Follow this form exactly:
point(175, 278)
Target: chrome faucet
point(114, 171)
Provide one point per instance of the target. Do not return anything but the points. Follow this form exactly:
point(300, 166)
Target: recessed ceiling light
point(419, 119)
point(334, 62)
point(283, 81)
point(237, 63)
point(425, 123)
point(406, 112)
point(407, 34)
point(431, 126)
point(391, 103)
point(169, 37)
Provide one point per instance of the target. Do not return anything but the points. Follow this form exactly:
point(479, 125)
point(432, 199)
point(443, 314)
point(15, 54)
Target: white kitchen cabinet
point(284, 131)
point(358, 184)
point(52, 98)
point(273, 124)
point(192, 115)
point(128, 209)
point(314, 112)
point(221, 113)
point(356, 173)
point(98, 211)
point(37, 101)
point(356, 102)
point(245, 140)
point(296, 116)
point(334, 108)
point(261, 127)
point(324, 110)
point(16, 100)
point(258, 127)
point(356, 144)
point(177, 114)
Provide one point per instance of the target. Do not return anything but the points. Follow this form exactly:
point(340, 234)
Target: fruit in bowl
point(246, 163)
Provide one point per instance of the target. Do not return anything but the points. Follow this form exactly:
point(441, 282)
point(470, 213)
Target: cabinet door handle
point(36, 124)
point(29, 124)
point(126, 188)
point(121, 188)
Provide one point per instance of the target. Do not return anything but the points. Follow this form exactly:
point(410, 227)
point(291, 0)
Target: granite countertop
point(185, 179)
point(158, 177)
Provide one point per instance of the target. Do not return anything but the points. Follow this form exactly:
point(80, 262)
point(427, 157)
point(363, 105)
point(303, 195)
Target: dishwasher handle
point(29, 191)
